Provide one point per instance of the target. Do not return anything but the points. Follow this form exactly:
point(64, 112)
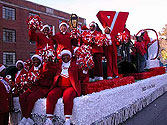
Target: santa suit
point(5, 98)
point(97, 58)
point(66, 84)
point(18, 76)
point(111, 55)
point(39, 89)
point(63, 40)
point(41, 39)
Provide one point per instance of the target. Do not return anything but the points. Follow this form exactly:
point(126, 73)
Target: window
point(33, 14)
point(8, 13)
point(9, 35)
point(49, 10)
point(9, 58)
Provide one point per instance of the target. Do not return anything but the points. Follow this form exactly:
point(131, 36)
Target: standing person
point(66, 84)
point(21, 71)
point(126, 44)
point(39, 89)
point(97, 72)
point(62, 39)
point(4, 97)
point(41, 38)
point(141, 53)
point(110, 52)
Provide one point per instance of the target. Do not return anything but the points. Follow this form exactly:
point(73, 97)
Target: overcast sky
point(142, 13)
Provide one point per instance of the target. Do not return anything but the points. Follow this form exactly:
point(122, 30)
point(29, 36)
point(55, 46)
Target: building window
point(9, 35)
point(33, 14)
point(49, 10)
point(31, 54)
point(8, 13)
point(9, 58)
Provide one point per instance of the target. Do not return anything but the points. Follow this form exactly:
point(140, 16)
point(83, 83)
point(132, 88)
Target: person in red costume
point(4, 97)
point(21, 71)
point(110, 52)
point(97, 72)
point(141, 53)
point(39, 89)
point(41, 38)
point(66, 84)
point(63, 40)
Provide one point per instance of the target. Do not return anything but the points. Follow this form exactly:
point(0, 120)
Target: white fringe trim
point(130, 110)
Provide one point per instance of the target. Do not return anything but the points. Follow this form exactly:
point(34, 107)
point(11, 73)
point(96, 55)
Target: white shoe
point(91, 80)
point(48, 122)
point(100, 78)
point(116, 76)
point(23, 121)
point(29, 122)
point(109, 77)
point(67, 122)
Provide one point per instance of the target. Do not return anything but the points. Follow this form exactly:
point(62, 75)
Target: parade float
point(108, 101)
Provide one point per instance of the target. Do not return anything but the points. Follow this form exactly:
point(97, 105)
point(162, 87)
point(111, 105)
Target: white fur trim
point(64, 24)
point(2, 68)
point(65, 52)
point(19, 61)
point(45, 27)
point(37, 56)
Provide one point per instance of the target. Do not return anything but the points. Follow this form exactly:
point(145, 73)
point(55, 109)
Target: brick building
point(14, 41)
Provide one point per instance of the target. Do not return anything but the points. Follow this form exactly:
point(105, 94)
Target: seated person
point(39, 89)
point(66, 84)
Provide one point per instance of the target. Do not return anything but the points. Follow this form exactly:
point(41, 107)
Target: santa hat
point(2, 67)
point(65, 51)
point(63, 23)
point(46, 26)
point(20, 61)
point(92, 23)
point(84, 27)
point(37, 56)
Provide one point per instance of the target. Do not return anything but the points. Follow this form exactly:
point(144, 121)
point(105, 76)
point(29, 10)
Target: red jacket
point(40, 39)
point(18, 79)
point(4, 99)
point(64, 41)
point(95, 48)
point(74, 76)
point(140, 47)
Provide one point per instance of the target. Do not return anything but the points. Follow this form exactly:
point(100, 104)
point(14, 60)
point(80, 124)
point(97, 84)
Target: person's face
point(63, 28)
point(36, 62)
point(66, 58)
point(2, 73)
point(46, 30)
point(92, 27)
point(107, 30)
point(19, 66)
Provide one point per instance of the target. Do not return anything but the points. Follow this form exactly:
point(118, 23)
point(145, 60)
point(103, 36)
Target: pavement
point(154, 114)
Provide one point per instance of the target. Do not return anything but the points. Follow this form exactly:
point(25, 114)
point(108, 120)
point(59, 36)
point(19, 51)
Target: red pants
point(4, 118)
point(68, 96)
point(111, 55)
point(28, 99)
point(98, 68)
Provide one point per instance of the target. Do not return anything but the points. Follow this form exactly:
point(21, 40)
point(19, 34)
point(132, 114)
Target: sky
point(142, 13)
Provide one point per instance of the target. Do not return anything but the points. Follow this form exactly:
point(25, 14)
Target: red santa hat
point(92, 24)
point(37, 56)
point(63, 23)
point(2, 67)
point(84, 27)
point(20, 61)
point(46, 26)
point(65, 51)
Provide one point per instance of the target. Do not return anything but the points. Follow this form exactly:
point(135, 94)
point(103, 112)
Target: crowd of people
point(61, 77)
